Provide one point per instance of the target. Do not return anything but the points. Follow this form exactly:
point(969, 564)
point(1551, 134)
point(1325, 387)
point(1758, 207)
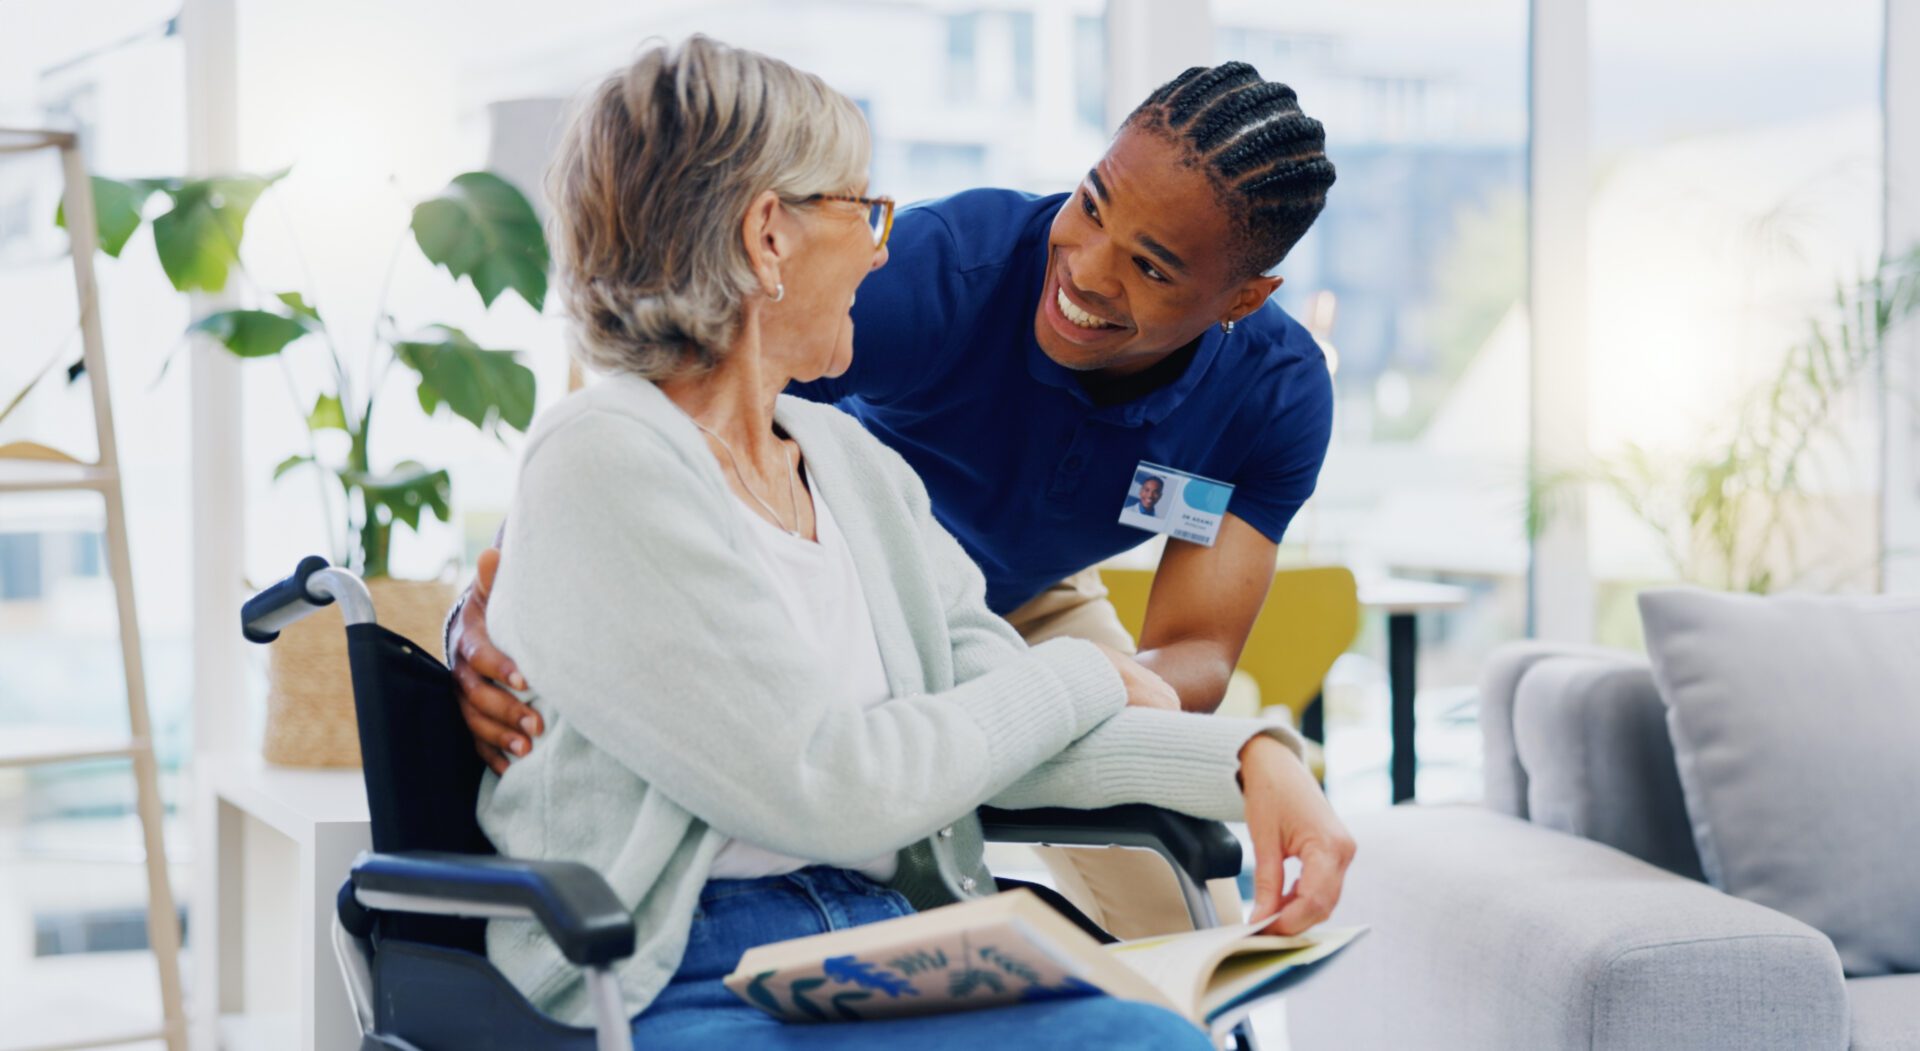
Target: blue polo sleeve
point(903, 316)
point(1281, 474)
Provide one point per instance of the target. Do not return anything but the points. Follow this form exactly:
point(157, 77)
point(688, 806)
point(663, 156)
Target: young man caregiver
point(1038, 360)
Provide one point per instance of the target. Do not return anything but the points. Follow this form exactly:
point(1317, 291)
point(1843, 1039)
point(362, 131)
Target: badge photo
point(1180, 505)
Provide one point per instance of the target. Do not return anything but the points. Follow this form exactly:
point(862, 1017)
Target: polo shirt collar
point(1144, 411)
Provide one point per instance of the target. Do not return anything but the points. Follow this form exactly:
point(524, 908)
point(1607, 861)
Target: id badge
point(1181, 505)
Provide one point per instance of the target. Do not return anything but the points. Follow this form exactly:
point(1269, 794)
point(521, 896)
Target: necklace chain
point(793, 476)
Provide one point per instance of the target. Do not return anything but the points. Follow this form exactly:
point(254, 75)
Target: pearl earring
point(1227, 327)
point(779, 292)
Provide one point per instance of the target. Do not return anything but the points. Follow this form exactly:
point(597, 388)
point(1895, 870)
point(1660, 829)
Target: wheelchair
point(410, 919)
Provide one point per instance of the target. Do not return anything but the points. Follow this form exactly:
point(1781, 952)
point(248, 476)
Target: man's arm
point(1203, 605)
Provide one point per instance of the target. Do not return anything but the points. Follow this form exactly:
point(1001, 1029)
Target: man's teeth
point(1079, 317)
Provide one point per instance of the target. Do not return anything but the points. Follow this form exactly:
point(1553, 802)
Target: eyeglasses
point(879, 213)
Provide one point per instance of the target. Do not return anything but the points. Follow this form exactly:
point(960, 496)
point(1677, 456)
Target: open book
point(1013, 948)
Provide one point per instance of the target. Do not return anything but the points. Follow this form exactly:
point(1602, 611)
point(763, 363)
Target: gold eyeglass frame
point(886, 203)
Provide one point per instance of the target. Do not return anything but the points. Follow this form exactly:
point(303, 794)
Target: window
point(20, 566)
point(1020, 25)
point(1736, 189)
point(938, 168)
point(963, 66)
point(1414, 276)
point(1090, 72)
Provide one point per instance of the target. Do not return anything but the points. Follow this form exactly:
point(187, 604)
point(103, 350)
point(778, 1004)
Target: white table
point(1402, 602)
point(276, 842)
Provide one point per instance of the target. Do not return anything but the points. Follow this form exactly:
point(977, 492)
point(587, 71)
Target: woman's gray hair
point(653, 180)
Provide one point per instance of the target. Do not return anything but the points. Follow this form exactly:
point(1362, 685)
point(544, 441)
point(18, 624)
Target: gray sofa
point(1568, 910)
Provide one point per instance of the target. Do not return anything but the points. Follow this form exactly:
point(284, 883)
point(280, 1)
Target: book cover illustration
point(1001, 964)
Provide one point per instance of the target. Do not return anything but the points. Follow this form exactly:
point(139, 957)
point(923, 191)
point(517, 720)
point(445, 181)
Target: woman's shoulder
point(850, 441)
point(619, 409)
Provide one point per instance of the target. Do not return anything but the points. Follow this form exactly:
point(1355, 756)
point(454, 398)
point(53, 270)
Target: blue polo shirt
point(1023, 466)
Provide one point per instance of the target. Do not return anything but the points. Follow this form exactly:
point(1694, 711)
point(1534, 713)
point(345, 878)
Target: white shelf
point(291, 802)
point(280, 841)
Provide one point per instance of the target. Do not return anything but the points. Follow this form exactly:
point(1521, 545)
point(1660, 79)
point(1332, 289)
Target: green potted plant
point(479, 228)
point(1746, 510)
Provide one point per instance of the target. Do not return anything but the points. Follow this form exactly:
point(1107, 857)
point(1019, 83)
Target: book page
point(1181, 965)
point(1251, 969)
point(1243, 982)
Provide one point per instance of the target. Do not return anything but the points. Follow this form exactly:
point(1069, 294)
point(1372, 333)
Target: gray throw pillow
point(1796, 729)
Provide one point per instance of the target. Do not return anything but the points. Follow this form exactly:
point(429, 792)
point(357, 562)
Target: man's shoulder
point(1278, 335)
point(985, 227)
point(1287, 355)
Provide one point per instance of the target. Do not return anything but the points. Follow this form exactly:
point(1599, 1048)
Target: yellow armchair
point(1311, 616)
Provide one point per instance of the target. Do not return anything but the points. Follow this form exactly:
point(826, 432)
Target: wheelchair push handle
point(311, 586)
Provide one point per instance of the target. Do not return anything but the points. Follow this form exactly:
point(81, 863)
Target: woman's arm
point(622, 600)
point(1179, 760)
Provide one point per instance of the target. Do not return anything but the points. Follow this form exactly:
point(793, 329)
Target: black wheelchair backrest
point(422, 773)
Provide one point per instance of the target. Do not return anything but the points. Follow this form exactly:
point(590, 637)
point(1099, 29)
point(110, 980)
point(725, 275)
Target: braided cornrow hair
point(1266, 159)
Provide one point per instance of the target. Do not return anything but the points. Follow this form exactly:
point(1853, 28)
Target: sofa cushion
point(1506, 667)
point(1490, 933)
point(1796, 730)
point(1592, 735)
point(1886, 1012)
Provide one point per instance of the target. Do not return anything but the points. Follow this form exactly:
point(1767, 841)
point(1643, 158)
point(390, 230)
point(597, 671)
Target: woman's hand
point(1144, 688)
point(1288, 817)
point(498, 721)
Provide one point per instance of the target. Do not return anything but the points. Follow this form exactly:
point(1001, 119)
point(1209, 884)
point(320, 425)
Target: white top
point(820, 588)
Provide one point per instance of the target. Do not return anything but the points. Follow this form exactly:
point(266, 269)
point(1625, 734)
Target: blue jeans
point(697, 1011)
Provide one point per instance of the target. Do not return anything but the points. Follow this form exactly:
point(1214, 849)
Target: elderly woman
point(766, 672)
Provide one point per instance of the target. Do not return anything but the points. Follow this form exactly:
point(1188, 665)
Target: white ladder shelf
point(29, 467)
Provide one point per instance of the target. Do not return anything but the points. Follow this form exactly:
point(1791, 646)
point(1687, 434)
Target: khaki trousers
point(1131, 893)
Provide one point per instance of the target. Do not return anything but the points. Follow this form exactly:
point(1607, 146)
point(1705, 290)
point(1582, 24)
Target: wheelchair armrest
point(1204, 850)
point(571, 901)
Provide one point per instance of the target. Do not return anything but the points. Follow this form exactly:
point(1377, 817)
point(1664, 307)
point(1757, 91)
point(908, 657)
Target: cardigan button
point(946, 833)
point(967, 884)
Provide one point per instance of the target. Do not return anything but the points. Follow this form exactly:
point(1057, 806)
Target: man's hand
point(1144, 688)
point(1288, 817)
point(498, 721)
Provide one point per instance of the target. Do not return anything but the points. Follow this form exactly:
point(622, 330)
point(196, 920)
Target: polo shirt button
point(1073, 462)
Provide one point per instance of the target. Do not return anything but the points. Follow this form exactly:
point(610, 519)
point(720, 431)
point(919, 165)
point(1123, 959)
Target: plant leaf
point(289, 464)
point(252, 333)
point(481, 228)
point(198, 239)
point(297, 303)
point(327, 412)
point(405, 491)
point(485, 387)
point(116, 211)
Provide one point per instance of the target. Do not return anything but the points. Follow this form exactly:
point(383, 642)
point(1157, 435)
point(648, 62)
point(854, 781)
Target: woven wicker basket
point(309, 689)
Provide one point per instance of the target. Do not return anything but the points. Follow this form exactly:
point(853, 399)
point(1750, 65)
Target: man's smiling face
point(1139, 261)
